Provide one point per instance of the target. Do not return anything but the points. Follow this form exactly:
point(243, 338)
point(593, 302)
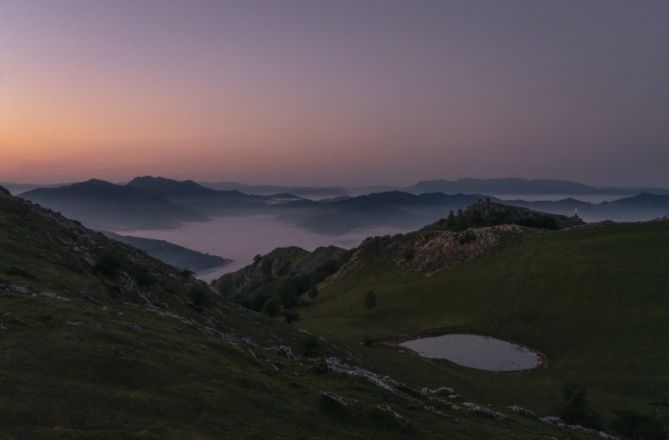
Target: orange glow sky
point(341, 92)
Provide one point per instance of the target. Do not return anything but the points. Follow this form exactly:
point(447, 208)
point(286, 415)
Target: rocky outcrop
point(281, 279)
point(281, 263)
point(427, 252)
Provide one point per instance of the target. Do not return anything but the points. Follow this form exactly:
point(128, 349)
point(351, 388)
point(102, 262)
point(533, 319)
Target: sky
point(349, 92)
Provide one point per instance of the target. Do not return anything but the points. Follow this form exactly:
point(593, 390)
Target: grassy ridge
point(595, 300)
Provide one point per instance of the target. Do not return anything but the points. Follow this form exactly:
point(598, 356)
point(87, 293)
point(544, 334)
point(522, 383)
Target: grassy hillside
point(594, 300)
point(98, 340)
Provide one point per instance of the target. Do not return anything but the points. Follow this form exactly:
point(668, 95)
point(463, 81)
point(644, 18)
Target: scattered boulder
point(522, 411)
point(285, 351)
point(553, 420)
point(136, 329)
point(441, 391)
point(398, 418)
point(334, 399)
point(127, 354)
point(52, 295)
point(336, 365)
point(482, 410)
point(19, 289)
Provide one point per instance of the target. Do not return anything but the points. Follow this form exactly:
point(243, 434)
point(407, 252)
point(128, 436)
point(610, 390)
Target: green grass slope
point(100, 341)
point(594, 300)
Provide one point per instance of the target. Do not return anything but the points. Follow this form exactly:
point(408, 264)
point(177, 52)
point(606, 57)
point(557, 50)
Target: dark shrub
point(576, 409)
point(288, 294)
point(466, 237)
point(540, 222)
point(291, 316)
point(370, 300)
point(311, 347)
point(313, 293)
point(200, 296)
point(18, 272)
point(142, 275)
point(253, 302)
point(271, 307)
point(108, 265)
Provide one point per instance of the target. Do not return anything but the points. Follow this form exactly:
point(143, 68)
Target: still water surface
point(482, 352)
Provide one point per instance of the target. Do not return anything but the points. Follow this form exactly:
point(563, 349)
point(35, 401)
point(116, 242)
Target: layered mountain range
point(154, 202)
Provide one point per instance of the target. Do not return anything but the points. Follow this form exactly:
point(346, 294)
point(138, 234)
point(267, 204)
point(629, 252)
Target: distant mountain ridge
point(643, 206)
point(156, 202)
point(197, 197)
point(388, 209)
point(306, 191)
point(145, 202)
point(522, 187)
point(493, 186)
point(105, 205)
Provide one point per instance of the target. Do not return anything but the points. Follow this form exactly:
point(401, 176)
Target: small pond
point(482, 352)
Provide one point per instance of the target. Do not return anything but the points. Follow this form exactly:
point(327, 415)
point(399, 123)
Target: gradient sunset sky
point(335, 92)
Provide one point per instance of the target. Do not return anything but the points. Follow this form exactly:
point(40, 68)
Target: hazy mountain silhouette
point(392, 208)
point(305, 191)
point(157, 202)
point(521, 186)
point(195, 196)
point(644, 206)
point(104, 205)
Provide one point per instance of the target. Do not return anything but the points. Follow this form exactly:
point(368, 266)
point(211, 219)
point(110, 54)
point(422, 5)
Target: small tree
point(108, 265)
point(313, 293)
point(450, 221)
point(370, 299)
point(271, 307)
point(291, 316)
point(311, 347)
point(576, 409)
point(199, 296)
